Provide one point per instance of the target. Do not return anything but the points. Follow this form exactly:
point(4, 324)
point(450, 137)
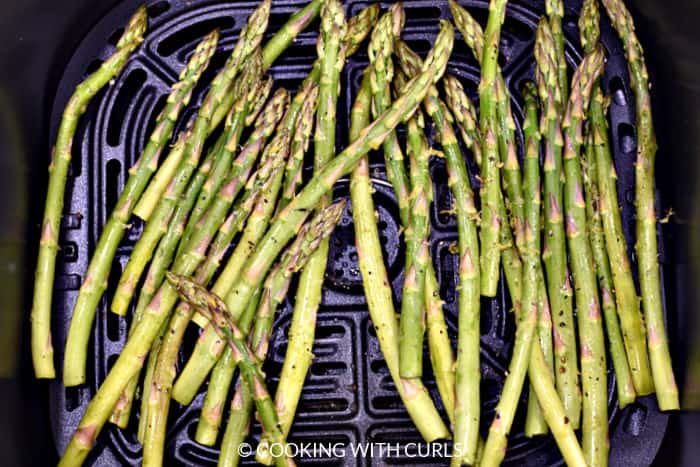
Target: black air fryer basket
point(349, 397)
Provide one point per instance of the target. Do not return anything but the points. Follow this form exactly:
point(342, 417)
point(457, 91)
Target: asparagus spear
point(289, 31)
point(595, 408)
point(646, 247)
point(175, 206)
point(380, 48)
point(42, 347)
point(379, 297)
point(490, 189)
point(159, 397)
point(221, 166)
point(241, 167)
point(222, 375)
point(310, 237)
point(291, 217)
point(555, 13)
point(263, 128)
point(439, 345)
point(623, 376)
point(332, 58)
point(96, 278)
point(248, 41)
point(467, 405)
point(465, 115)
point(467, 408)
point(259, 99)
point(531, 293)
point(441, 355)
point(590, 31)
point(299, 145)
point(215, 309)
point(512, 265)
point(553, 410)
point(333, 30)
point(131, 357)
point(206, 351)
point(593, 367)
point(412, 322)
point(554, 251)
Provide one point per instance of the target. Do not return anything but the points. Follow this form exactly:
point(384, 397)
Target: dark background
point(37, 39)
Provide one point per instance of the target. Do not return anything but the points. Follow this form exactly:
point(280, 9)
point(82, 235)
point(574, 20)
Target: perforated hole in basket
point(348, 396)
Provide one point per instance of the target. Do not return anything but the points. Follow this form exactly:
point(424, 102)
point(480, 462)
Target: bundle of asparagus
point(194, 207)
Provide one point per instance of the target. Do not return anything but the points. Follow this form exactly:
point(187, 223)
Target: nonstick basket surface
point(349, 397)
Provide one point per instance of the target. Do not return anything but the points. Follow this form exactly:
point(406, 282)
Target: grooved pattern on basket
point(349, 396)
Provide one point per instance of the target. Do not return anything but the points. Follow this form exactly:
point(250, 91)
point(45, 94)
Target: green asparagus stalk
point(96, 278)
point(164, 375)
point(131, 358)
point(494, 450)
point(490, 189)
point(143, 335)
point(331, 53)
point(623, 376)
point(377, 290)
point(440, 348)
point(215, 309)
point(532, 287)
point(553, 410)
point(42, 347)
point(332, 59)
point(310, 237)
point(222, 374)
point(289, 31)
point(593, 367)
point(249, 39)
point(465, 115)
point(241, 167)
point(358, 27)
point(207, 351)
point(289, 220)
point(222, 164)
point(646, 247)
point(554, 249)
point(467, 406)
point(555, 13)
point(590, 33)
point(175, 206)
point(95, 281)
point(441, 355)
point(237, 428)
point(512, 264)
point(460, 104)
point(166, 170)
point(412, 322)
point(439, 345)
point(380, 48)
point(259, 100)
point(299, 145)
